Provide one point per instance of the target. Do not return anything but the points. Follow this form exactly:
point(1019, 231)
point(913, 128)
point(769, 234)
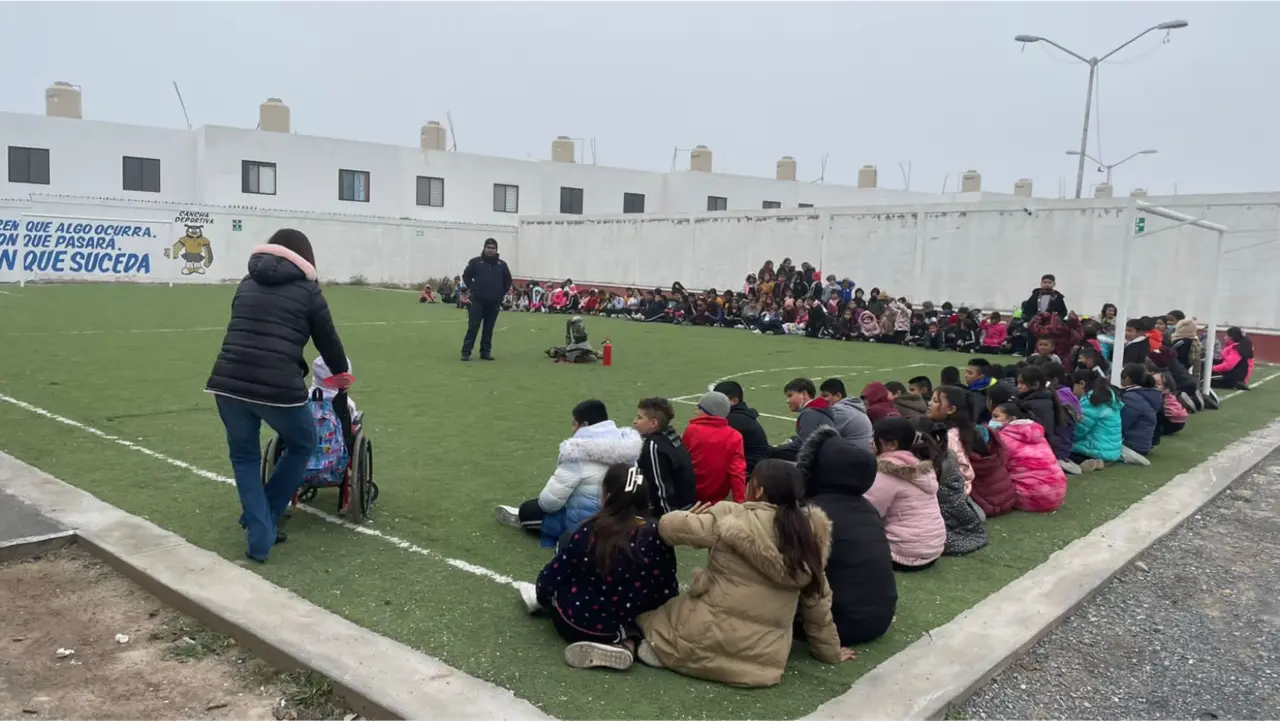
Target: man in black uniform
point(488, 279)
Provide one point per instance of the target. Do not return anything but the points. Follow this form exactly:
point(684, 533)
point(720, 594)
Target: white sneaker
point(529, 594)
point(586, 654)
point(1070, 467)
point(647, 655)
point(507, 516)
point(1092, 464)
point(1132, 457)
point(1185, 399)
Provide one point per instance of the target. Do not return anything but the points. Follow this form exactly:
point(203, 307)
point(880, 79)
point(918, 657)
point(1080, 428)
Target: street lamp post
point(1112, 166)
point(1093, 64)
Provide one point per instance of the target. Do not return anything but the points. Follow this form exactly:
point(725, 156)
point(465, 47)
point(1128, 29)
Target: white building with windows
point(269, 168)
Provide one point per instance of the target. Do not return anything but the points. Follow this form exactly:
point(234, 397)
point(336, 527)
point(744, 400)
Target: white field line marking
point(211, 476)
point(862, 370)
point(763, 415)
point(1233, 394)
point(106, 331)
point(6, 292)
point(712, 384)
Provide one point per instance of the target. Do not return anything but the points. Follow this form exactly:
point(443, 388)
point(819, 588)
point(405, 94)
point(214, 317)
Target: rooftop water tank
point(971, 182)
point(700, 159)
point(1138, 193)
point(434, 136)
point(273, 115)
point(1102, 190)
point(867, 176)
point(562, 150)
point(62, 100)
point(1022, 188)
point(786, 168)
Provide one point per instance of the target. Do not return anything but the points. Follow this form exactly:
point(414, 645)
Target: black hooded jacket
point(864, 594)
point(755, 442)
point(668, 473)
point(487, 279)
point(276, 309)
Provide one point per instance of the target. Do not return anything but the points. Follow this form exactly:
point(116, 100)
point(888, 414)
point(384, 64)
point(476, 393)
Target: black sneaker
point(281, 536)
point(465, 357)
point(486, 357)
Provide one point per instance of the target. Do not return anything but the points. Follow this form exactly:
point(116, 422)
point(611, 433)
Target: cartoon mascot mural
point(194, 249)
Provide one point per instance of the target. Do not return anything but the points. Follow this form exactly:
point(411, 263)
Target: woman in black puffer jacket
point(259, 376)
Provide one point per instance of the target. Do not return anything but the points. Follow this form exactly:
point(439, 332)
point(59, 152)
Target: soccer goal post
point(1134, 210)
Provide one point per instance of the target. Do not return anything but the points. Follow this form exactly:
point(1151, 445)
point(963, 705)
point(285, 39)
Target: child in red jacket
point(719, 463)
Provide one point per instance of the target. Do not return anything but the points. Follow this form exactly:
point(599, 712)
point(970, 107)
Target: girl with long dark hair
point(767, 557)
point(1236, 366)
point(613, 568)
point(905, 492)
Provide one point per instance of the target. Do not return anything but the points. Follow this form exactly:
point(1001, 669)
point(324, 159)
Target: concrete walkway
point(1190, 631)
point(25, 531)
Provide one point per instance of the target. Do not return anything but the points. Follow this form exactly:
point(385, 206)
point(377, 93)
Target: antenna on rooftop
point(945, 178)
point(184, 105)
point(453, 136)
point(822, 169)
point(906, 175)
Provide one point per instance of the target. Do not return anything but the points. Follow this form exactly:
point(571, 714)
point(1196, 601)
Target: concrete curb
point(19, 548)
point(956, 659)
point(378, 677)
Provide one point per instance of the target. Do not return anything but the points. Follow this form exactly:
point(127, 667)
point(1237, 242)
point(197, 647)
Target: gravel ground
point(1190, 631)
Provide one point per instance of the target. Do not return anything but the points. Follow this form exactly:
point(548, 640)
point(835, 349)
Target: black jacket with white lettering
point(668, 472)
point(276, 310)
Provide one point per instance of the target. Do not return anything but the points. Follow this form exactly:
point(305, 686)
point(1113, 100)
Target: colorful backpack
point(328, 463)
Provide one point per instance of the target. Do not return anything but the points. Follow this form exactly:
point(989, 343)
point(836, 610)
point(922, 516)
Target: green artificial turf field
point(128, 364)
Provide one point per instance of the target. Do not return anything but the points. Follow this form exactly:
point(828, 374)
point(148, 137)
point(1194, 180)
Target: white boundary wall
point(987, 254)
point(120, 240)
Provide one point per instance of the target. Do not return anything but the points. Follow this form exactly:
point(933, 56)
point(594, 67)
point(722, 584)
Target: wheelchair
point(357, 491)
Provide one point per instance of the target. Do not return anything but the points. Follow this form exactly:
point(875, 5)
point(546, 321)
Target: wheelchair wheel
point(362, 491)
point(270, 457)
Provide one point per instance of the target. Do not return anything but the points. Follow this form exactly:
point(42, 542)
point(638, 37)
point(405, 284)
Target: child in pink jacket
point(994, 333)
point(1039, 483)
point(905, 492)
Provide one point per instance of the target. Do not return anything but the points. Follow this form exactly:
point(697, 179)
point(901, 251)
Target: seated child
point(613, 568)
point(1039, 483)
point(864, 593)
point(1044, 352)
point(1098, 437)
point(1143, 406)
point(572, 494)
point(909, 405)
point(933, 338)
point(719, 461)
point(967, 335)
point(1175, 415)
point(921, 386)
point(428, 295)
point(664, 460)
point(868, 326)
point(905, 492)
point(765, 561)
point(995, 334)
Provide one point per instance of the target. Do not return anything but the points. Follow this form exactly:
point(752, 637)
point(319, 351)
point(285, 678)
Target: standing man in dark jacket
point(745, 420)
point(664, 461)
point(488, 279)
point(258, 376)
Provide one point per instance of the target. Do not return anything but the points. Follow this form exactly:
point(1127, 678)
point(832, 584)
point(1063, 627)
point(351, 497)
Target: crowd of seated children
point(870, 492)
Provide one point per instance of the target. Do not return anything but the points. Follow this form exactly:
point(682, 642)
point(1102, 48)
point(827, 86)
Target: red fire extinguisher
point(607, 354)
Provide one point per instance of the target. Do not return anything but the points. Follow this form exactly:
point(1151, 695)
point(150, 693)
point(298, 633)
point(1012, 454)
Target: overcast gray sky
point(942, 85)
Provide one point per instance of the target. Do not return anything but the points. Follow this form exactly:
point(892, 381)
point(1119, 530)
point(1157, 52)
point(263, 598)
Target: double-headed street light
point(1093, 71)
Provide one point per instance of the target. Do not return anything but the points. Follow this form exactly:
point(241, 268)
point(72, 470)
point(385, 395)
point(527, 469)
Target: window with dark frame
point(769, 204)
point(353, 185)
point(257, 178)
point(715, 202)
point(142, 174)
point(506, 198)
point(431, 191)
point(28, 165)
point(806, 205)
point(633, 202)
point(571, 201)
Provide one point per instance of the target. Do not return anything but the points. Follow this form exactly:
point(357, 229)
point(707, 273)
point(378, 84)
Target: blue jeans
point(263, 505)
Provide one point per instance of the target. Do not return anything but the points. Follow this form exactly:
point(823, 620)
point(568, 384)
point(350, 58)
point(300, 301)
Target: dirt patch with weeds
point(80, 641)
